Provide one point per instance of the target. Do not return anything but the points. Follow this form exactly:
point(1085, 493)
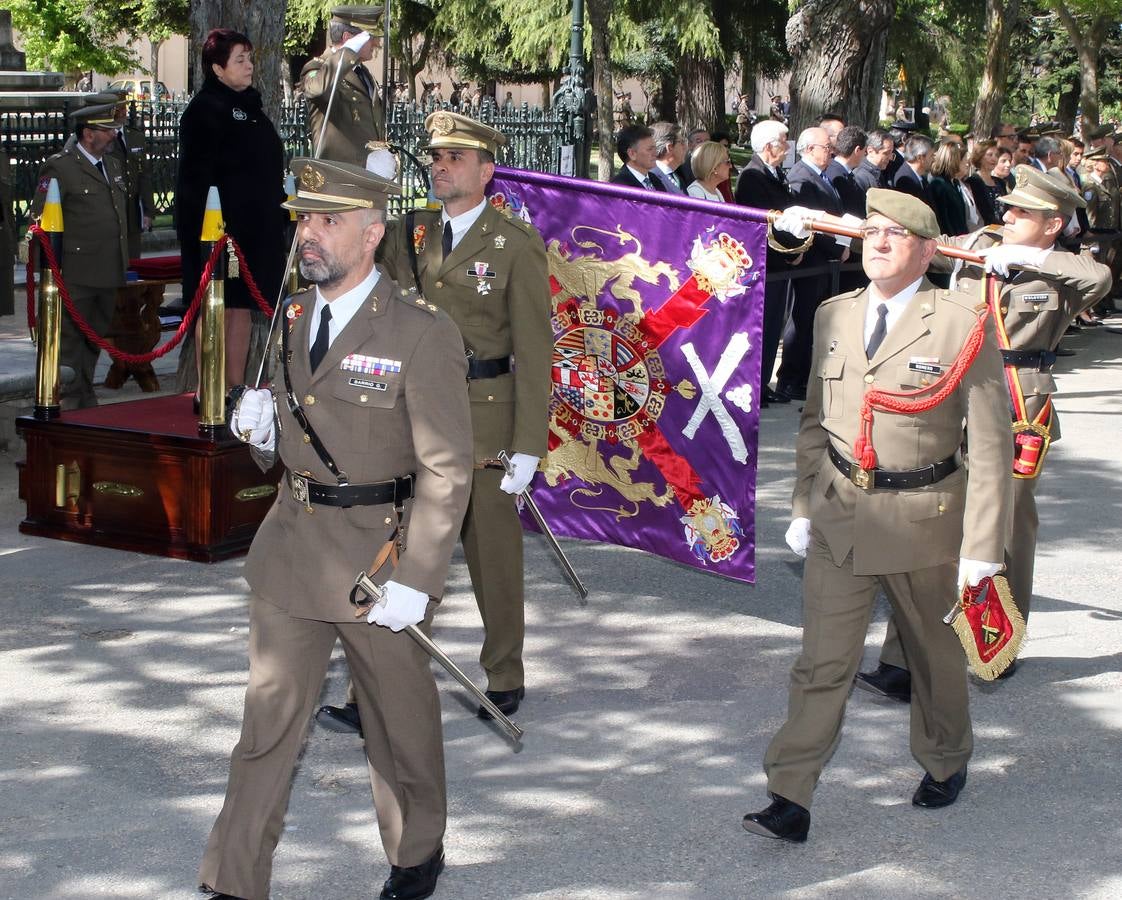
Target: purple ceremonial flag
point(657, 312)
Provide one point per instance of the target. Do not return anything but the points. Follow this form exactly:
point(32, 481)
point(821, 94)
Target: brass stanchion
point(212, 341)
point(49, 314)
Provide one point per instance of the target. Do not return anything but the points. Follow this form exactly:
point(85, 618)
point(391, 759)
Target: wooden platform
point(137, 476)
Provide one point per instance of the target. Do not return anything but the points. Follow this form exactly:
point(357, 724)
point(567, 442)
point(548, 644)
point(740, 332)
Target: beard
point(325, 271)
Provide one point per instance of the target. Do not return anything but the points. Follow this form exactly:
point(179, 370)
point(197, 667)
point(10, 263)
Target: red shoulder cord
point(924, 398)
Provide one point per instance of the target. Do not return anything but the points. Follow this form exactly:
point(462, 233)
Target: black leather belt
point(1036, 359)
point(487, 368)
point(897, 481)
point(309, 492)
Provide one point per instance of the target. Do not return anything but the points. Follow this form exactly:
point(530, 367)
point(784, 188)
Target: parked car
point(140, 88)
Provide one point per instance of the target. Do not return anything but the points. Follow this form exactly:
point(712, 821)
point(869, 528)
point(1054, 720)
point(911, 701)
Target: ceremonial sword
point(377, 597)
point(504, 460)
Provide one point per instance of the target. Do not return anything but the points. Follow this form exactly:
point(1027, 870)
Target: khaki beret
point(362, 17)
point(451, 130)
point(903, 209)
point(103, 115)
point(324, 185)
point(1045, 191)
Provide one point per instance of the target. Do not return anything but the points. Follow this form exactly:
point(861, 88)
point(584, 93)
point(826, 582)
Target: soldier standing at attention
point(95, 251)
point(1048, 288)
point(369, 415)
point(357, 115)
point(904, 524)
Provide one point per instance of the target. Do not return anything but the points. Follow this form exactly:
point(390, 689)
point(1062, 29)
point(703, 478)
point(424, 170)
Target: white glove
point(798, 536)
point(404, 606)
point(844, 240)
point(252, 420)
point(524, 467)
point(792, 220)
point(972, 571)
point(357, 42)
point(1001, 257)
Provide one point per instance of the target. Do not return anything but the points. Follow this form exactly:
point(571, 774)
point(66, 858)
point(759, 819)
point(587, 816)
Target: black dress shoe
point(414, 882)
point(506, 701)
point(784, 820)
point(887, 681)
point(771, 396)
point(343, 719)
point(793, 391)
point(1063, 351)
point(214, 895)
point(932, 794)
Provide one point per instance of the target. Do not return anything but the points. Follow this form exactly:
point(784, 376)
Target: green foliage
point(69, 35)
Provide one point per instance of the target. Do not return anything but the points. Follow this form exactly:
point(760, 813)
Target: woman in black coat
point(983, 185)
point(226, 140)
point(947, 170)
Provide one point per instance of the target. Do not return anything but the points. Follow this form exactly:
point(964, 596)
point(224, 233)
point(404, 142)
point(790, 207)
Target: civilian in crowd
point(1022, 151)
point(849, 150)
point(725, 187)
point(879, 151)
point(983, 186)
point(711, 166)
point(1046, 154)
point(697, 137)
point(911, 178)
point(636, 149)
point(948, 166)
point(670, 152)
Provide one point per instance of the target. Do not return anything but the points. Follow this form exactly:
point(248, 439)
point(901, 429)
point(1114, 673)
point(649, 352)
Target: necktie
point(101, 168)
point(879, 331)
point(323, 338)
point(673, 176)
point(446, 240)
point(647, 183)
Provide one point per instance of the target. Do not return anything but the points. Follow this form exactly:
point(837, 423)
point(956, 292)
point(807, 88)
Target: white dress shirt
point(343, 308)
point(896, 306)
point(462, 222)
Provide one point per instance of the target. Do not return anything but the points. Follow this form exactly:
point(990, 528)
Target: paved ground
point(647, 717)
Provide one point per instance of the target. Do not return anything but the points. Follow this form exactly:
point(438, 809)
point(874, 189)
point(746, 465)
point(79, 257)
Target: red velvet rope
point(920, 400)
point(37, 233)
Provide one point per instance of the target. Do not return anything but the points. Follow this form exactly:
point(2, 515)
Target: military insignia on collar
point(240, 115)
point(419, 238)
point(443, 124)
point(311, 179)
point(294, 311)
point(500, 241)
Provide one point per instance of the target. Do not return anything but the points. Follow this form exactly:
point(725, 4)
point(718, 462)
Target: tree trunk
point(154, 65)
point(599, 15)
point(1088, 42)
point(262, 21)
point(701, 94)
point(668, 96)
point(1067, 107)
point(1001, 16)
point(838, 56)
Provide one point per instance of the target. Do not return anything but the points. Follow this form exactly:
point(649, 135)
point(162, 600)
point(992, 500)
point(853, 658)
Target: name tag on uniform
point(927, 364)
point(1036, 298)
point(372, 385)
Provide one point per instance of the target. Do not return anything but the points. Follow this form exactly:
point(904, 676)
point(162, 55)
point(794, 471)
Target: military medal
point(419, 238)
point(500, 241)
point(294, 311)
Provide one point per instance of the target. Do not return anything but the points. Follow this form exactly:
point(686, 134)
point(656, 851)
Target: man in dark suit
point(879, 151)
point(697, 137)
point(849, 153)
point(636, 148)
point(763, 184)
point(810, 187)
point(911, 178)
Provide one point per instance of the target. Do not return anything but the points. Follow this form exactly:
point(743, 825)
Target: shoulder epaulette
point(848, 295)
point(410, 297)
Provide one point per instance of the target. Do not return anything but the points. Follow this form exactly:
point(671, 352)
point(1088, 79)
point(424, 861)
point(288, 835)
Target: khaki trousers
point(400, 712)
point(492, 541)
point(96, 305)
point(1020, 560)
point(837, 606)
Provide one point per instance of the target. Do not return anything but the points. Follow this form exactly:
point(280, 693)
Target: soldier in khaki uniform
point(7, 238)
point(1048, 288)
point(905, 526)
point(488, 271)
point(379, 374)
point(95, 251)
point(357, 115)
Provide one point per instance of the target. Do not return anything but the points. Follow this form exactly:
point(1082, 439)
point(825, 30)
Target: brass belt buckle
point(863, 478)
point(299, 485)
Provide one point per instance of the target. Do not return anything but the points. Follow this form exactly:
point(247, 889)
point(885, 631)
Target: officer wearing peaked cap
point(903, 522)
point(1043, 287)
point(95, 237)
point(372, 426)
point(357, 114)
point(488, 271)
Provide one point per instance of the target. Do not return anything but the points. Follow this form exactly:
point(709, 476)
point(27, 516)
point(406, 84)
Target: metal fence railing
point(534, 140)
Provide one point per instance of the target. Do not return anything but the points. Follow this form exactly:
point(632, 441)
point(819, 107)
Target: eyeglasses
point(892, 232)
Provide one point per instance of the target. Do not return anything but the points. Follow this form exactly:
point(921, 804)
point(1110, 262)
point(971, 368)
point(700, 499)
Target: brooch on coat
point(419, 238)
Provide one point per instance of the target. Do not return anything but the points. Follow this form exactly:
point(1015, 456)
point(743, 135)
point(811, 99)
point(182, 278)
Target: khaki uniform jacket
point(893, 531)
point(376, 426)
point(95, 250)
point(1100, 204)
point(356, 116)
point(1037, 305)
point(510, 314)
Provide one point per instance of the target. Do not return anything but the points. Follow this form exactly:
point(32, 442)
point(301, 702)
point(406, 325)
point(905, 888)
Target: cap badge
point(311, 179)
point(443, 124)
